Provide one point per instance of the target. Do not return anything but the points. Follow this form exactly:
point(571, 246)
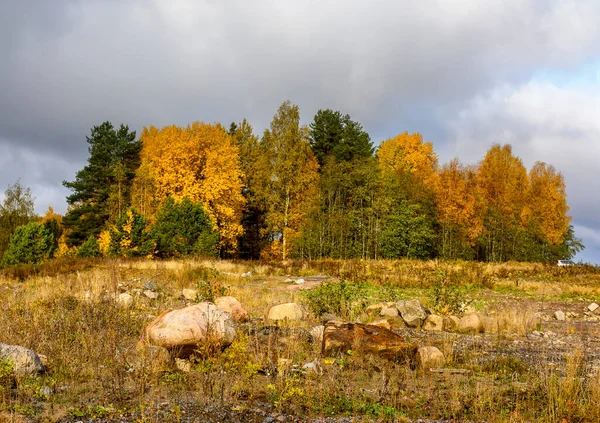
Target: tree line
point(316, 191)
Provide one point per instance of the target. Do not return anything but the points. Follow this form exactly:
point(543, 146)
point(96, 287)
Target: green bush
point(183, 229)
point(344, 299)
point(129, 238)
point(90, 248)
point(29, 244)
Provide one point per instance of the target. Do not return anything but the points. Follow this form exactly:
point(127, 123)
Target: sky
point(466, 74)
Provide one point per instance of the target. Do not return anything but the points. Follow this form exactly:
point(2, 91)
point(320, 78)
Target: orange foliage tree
point(200, 162)
point(502, 183)
point(457, 208)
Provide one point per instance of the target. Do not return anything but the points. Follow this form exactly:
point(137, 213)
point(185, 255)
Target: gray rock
point(412, 312)
point(151, 294)
point(24, 361)
point(317, 334)
point(299, 281)
point(247, 275)
point(313, 366)
point(125, 300)
point(150, 285)
point(559, 315)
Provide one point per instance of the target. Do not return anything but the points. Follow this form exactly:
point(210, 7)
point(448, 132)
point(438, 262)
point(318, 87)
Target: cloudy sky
point(464, 73)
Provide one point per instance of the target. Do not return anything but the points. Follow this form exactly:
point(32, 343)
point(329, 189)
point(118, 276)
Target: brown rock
point(489, 324)
point(340, 336)
point(434, 323)
point(430, 357)
point(450, 323)
point(470, 323)
point(233, 306)
point(287, 311)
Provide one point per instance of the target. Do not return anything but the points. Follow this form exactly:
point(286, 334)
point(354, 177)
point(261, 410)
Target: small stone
point(125, 300)
point(287, 311)
point(183, 365)
point(375, 308)
point(247, 275)
point(317, 334)
point(299, 281)
point(151, 294)
point(470, 323)
point(559, 315)
point(433, 323)
point(46, 391)
point(150, 286)
point(189, 294)
point(389, 312)
point(313, 366)
point(430, 357)
point(450, 322)
point(268, 419)
point(537, 333)
point(593, 307)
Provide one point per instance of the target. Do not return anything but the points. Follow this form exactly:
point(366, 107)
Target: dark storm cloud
point(394, 66)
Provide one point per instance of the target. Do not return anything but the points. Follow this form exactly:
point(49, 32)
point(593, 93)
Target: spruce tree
point(100, 192)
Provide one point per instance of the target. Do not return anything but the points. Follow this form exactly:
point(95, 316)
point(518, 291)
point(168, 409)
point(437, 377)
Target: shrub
point(343, 299)
point(184, 229)
point(90, 248)
point(129, 237)
point(30, 244)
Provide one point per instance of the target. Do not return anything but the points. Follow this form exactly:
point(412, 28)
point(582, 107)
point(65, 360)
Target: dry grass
point(66, 311)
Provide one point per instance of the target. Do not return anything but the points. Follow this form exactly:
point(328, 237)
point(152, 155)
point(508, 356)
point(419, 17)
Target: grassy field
point(66, 310)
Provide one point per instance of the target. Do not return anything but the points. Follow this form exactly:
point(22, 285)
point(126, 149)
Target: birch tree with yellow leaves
point(200, 162)
point(290, 186)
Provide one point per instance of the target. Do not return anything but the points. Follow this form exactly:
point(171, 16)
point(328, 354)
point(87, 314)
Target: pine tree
point(100, 192)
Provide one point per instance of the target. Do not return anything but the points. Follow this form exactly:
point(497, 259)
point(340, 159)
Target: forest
point(322, 190)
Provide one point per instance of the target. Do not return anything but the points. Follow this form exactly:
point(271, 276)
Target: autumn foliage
point(305, 191)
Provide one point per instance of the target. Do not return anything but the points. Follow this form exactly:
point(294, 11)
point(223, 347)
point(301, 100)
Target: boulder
point(450, 323)
point(382, 323)
point(489, 324)
point(233, 306)
point(25, 362)
point(470, 323)
point(559, 315)
point(389, 312)
point(189, 294)
point(181, 331)
point(287, 311)
point(433, 323)
point(430, 358)
point(125, 300)
point(412, 312)
point(340, 336)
